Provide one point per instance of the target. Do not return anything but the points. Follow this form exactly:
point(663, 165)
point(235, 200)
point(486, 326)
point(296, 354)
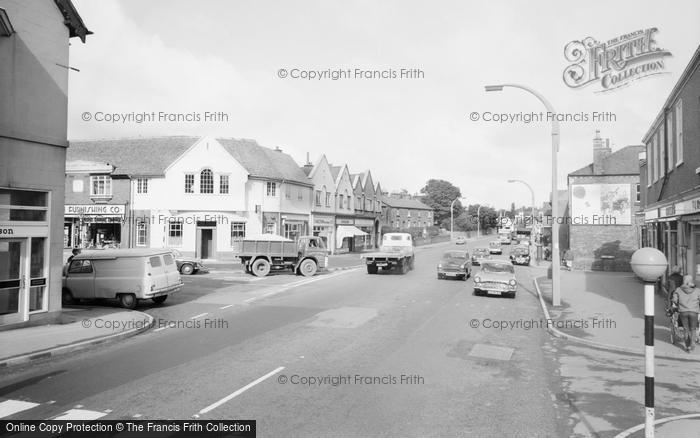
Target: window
point(155, 262)
point(288, 191)
point(101, 185)
point(189, 183)
point(655, 149)
point(237, 231)
point(318, 197)
point(650, 147)
point(141, 233)
point(270, 228)
point(679, 132)
point(347, 200)
point(340, 202)
point(639, 193)
point(168, 259)
point(141, 185)
point(662, 151)
point(23, 205)
point(80, 267)
point(175, 234)
point(398, 213)
point(300, 194)
point(223, 184)
point(670, 150)
point(329, 195)
point(206, 181)
point(78, 186)
point(271, 188)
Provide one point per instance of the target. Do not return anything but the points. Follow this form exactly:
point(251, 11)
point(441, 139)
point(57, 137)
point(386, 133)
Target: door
point(156, 270)
point(696, 258)
point(205, 248)
point(13, 283)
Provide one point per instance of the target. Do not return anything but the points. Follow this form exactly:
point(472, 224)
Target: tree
point(439, 194)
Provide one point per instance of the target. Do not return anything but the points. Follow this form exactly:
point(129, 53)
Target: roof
point(72, 20)
point(409, 203)
point(114, 253)
point(335, 171)
point(148, 156)
point(262, 162)
point(624, 161)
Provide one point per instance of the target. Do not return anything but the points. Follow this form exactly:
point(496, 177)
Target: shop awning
point(347, 231)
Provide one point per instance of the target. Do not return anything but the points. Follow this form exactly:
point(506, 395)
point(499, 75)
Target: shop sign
point(9, 231)
point(364, 222)
point(651, 214)
point(94, 209)
point(670, 211)
point(345, 221)
point(323, 220)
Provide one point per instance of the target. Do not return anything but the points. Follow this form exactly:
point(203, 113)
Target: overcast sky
point(192, 57)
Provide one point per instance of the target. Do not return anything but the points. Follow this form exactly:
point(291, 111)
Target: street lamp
point(452, 218)
point(556, 260)
point(478, 220)
point(649, 264)
point(532, 194)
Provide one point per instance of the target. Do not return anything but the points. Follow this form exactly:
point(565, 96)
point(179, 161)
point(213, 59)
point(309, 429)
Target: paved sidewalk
point(684, 426)
point(608, 308)
point(78, 328)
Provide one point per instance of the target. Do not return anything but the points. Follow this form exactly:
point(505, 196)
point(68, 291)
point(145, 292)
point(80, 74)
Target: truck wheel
point(128, 301)
point(372, 269)
point(261, 267)
point(308, 268)
point(160, 300)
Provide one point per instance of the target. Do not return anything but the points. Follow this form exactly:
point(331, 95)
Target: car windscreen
point(454, 255)
point(497, 268)
point(479, 251)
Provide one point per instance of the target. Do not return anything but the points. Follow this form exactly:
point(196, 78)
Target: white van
point(128, 275)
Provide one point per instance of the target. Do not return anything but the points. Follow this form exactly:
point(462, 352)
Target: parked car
point(461, 240)
point(454, 264)
point(128, 275)
point(496, 277)
point(520, 255)
point(187, 265)
point(495, 247)
point(479, 255)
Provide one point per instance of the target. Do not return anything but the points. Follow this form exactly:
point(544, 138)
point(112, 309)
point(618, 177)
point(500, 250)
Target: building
point(34, 40)
point(346, 233)
point(603, 200)
point(670, 174)
point(325, 201)
point(368, 210)
point(402, 212)
point(196, 194)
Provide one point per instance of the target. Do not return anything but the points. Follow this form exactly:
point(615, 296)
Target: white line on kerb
point(200, 315)
point(240, 391)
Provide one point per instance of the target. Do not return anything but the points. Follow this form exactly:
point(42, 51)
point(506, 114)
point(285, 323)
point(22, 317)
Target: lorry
point(265, 253)
point(396, 252)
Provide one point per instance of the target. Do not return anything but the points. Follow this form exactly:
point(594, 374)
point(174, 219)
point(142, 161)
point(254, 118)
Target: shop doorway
point(206, 240)
point(696, 258)
point(13, 287)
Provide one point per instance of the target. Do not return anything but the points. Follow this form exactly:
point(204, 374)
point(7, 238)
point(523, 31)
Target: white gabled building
point(324, 203)
point(345, 230)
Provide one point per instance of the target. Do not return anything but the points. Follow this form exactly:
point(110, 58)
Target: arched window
point(206, 181)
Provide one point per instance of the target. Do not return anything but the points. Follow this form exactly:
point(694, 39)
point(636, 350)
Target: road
point(343, 354)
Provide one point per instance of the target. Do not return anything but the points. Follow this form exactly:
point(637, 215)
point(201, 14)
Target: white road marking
point(226, 307)
point(284, 288)
point(159, 329)
point(9, 407)
point(240, 391)
point(80, 414)
point(200, 315)
point(137, 416)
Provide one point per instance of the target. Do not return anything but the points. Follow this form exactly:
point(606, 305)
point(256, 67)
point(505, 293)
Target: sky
point(189, 58)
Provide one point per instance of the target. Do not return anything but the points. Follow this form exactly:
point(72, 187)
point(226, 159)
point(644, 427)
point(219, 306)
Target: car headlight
point(477, 279)
point(463, 266)
point(440, 266)
point(512, 282)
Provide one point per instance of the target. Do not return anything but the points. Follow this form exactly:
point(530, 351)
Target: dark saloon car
point(520, 256)
point(454, 264)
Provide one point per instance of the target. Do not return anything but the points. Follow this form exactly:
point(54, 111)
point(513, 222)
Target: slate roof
point(409, 203)
point(624, 161)
point(262, 162)
point(148, 156)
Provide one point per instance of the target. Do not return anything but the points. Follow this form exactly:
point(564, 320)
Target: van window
point(396, 237)
point(155, 261)
point(80, 267)
point(168, 259)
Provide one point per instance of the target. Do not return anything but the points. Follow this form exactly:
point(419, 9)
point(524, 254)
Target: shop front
point(94, 226)
point(323, 226)
point(368, 226)
point(24, 249)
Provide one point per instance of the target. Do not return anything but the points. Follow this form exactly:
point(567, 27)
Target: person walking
point(675, 280)
point(687, 298)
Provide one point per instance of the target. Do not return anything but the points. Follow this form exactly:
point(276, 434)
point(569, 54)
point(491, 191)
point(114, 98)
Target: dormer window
point(101, 186)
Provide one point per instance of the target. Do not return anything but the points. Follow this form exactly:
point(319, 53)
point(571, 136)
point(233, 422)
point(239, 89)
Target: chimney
point(277, 149)
point(308, 166)
point(601, 151)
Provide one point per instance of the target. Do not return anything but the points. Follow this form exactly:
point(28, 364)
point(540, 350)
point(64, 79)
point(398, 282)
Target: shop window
point(292, 231)
point(206, 181)
point(679, 132)
point(142, 185)
point(223, 184)
point(270, 228)
point(237, 231)
point(141, 233)
point(101, 186)
point(175, 234)
point(189, 183)
point(271, 188)
point(23, 205)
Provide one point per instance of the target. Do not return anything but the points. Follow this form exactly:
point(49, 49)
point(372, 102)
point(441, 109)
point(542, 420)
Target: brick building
point(670, 174)
point(403, 212)
point(603, 201)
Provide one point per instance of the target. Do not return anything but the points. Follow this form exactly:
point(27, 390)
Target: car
point(187, 265)
point(454, 264)
point(461, 240)
point(495, 247)
point(504, 239)
point(520, 255)
point(479, 255)
point(495, 277)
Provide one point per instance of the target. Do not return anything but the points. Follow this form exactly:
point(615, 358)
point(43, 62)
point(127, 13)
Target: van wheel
point(67, 297)
point(186, 269)
point(261, 267)
point(308, 268)
point(160, 300)
point(372, 269)
point(128, 301)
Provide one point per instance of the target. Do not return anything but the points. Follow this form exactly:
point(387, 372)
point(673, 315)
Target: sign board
point(94, 209)
point(10, 231)
point(601, 204)
point(364, 222)
point(345, 221)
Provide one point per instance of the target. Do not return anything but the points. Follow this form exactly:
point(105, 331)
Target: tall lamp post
point(532, 195)
point(649, 264)
point(556, 259)
point(452, 218)
point(478, 220)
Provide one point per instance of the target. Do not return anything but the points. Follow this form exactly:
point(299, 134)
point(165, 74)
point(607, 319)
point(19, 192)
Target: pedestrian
point(675, 280)
point(687, 298)
point(74, 253)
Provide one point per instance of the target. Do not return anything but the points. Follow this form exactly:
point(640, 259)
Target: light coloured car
point(479, 255)
point(495, 247)
point(187, 265)
point(454, 264)
point(496, 277)
point(461, 240)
